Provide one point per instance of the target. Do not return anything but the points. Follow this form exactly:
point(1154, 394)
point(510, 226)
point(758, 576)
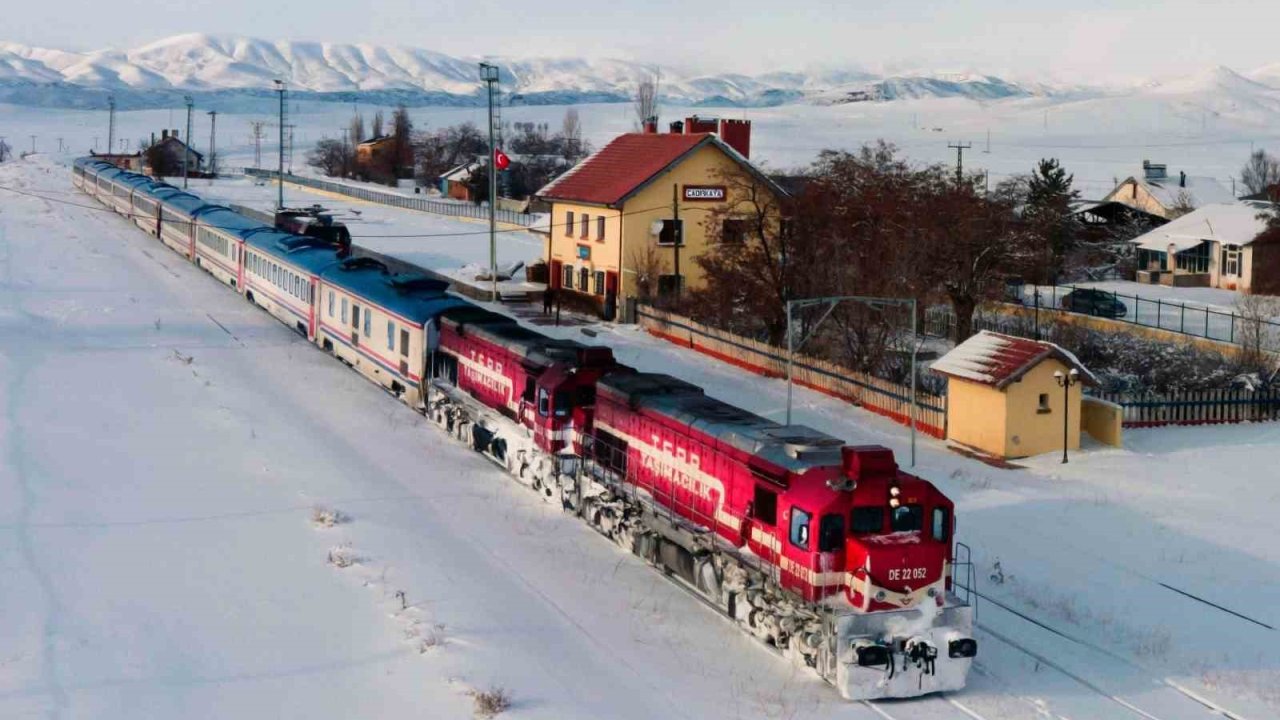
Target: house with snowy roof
point(1218, 245)
point(1006, 397)
point(1166, 196)
point(632, 219)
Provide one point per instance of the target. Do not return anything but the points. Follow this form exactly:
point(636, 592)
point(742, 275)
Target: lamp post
point(280, 166)
point(489, 74)
point(1065, 382)
point(186, 148)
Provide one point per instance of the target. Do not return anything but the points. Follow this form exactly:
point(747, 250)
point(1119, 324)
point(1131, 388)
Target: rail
point(438, 207)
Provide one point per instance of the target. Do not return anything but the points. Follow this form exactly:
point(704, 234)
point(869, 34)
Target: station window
point(600, 228)
point(586, 224)
point(865, 520)
point(599, 278)
point(568, 277)
point(906, 518)
point(800, 528)
point(391, 335)
point(568, 223)
point(939, 524)
point(672, 232)
point(1044, 403)
point(584, 279)
point(404, 342)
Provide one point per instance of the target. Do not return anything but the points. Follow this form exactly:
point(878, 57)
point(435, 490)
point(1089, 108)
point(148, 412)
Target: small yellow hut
point(1011, 397)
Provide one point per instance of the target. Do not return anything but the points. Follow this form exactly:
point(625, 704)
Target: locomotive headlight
point(895, 491)
point(880, 596)
point(894, 502)
point(962, 648)
point(933, 592)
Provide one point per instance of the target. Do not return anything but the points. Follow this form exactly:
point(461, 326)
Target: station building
point(631, 219)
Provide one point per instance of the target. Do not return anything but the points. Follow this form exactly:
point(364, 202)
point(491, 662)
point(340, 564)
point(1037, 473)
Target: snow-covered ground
point(164, 446)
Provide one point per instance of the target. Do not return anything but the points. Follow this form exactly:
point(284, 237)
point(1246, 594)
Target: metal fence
point(439, 207)
point(872, 393)
point(1202, 407)
point(1173, 316)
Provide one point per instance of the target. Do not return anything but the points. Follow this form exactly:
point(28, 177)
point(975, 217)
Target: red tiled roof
point(997, 360)
point(612, 173)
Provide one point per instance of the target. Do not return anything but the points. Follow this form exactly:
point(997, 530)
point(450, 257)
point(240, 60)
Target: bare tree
point(1182, 205)
point(5, 151)
point(1261, 173)
point(646, 101)
point(647, 264)
point(402, 142)
point(571, 131)
point(357, 129)
point(329, 156)
point(377, 124)
point(1258, 333)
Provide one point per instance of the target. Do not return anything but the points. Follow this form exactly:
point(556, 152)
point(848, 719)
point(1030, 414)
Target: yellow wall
point(1029, 431)
point(1009, 422)
point(976, 416)
point(1135, 195)
point(1103, 421)
point(633, 225)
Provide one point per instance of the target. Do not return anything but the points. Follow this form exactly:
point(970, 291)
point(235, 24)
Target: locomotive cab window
point(865, 520)
point(765, 506)
point(530, 389)
point(906, 518)
point(831, 533)
point(939, 524)
point(562, 406)
point(800, 528)
point(544, 402)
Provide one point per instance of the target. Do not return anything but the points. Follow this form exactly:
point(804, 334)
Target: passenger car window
point(940, 524)
point(866, 520)
point(906, 518)
point(800, 528)
point(831, 533)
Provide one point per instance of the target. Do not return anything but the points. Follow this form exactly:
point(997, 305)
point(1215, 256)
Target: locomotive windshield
point(865, 520)
point(907, 518)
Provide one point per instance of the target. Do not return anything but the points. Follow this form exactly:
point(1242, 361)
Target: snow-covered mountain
point(204, 63)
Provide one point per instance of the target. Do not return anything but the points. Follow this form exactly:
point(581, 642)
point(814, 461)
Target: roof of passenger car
point(310, 254)
point(226, 219)
point(795, 448)
point(414, 297)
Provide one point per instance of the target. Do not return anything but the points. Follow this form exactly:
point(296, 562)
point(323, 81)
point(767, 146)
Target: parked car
point(1094, 302)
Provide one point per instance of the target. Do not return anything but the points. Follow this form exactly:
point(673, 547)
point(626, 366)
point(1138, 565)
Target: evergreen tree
point(1049, 214)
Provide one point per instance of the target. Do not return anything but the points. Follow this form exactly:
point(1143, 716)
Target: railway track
point(1194, 704)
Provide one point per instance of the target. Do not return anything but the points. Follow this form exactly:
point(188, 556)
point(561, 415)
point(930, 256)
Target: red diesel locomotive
point(828, 553)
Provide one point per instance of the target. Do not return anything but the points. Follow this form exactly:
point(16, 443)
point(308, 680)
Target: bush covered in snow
point(490, 703)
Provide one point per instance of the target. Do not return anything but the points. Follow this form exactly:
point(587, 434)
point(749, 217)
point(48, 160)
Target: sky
point(1087, 41)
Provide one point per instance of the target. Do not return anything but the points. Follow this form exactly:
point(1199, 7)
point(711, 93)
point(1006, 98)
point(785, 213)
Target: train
point(831, 555)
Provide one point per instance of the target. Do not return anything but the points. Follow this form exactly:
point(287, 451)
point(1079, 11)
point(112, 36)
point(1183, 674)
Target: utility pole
point(213, 132)
point(95, 142)
point(257, 126)
point(33, 144)
point(489, 74)
point(111, 125)
point(678, 232)
point(186, 144)
point(960, 147)
point(988, 150)
point(280, 166)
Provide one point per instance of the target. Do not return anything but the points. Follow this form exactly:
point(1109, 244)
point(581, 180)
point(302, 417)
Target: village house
point(125, 161)
point(165, 157)
point(1159, 194)
point(1215, 246)
point(633, 216)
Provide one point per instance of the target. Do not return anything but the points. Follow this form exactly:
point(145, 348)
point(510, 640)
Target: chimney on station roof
point(651, 125)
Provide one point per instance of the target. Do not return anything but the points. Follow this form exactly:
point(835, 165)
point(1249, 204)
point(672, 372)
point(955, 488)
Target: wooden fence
point(1205, 407)
point(879, 396)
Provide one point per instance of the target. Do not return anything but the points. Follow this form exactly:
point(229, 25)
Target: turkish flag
point(500, 159)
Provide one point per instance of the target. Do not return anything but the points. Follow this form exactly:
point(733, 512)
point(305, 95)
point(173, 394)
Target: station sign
point(704, 193)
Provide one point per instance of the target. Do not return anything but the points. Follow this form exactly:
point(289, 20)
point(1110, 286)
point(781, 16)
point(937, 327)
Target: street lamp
point(186, 147)
point(1065, 382)
point(280, 88)
point(489, 75)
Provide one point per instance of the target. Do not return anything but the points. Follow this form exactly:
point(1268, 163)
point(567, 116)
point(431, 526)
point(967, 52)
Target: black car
point(1094, 302)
